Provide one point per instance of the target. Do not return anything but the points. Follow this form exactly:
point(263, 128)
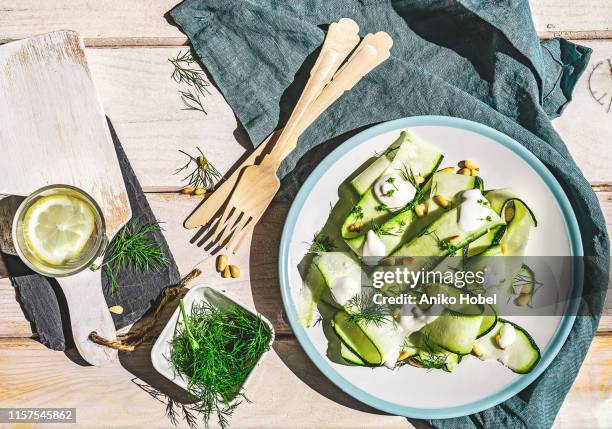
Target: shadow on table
point(268, 301)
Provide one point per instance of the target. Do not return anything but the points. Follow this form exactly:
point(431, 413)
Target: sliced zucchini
point(350, 356)
point(453, 332)
point(450, 187)
point(412, 155)
point(432, 356)
point(372, 342)
point(433, 241)
point(521, 356)
point(364, 180)
point(489, 320)
point(333, 265)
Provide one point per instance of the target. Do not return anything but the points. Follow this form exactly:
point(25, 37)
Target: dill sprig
point(408, 176)
point(382, 229)
point(133, 248)
point(192, 101)
point(364, 309)
point(203, 175)
point(357, 211)
point(321, 243)
point(184, 72)
point(229, 344)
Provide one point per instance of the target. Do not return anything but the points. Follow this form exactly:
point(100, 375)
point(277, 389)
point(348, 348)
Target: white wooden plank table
point(130, 43)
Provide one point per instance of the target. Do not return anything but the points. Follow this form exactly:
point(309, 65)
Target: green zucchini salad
point(404, 209)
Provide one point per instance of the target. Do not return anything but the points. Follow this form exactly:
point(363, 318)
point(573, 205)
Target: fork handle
point(373, 50)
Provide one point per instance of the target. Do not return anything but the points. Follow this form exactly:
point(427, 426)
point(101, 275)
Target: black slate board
point(41, 297)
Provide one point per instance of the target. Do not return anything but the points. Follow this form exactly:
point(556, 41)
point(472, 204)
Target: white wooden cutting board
point(53, 131)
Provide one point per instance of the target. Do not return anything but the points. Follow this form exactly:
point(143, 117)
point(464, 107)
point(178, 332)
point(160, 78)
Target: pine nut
point(465, 172)
point(420, 210)
point(504, 249)
point(466, 163)
point(199, 191)
point(454, 239)
point(226, 274)
point(117, 309)
point(187, 191)
point(234, 271)
point(441, 201)
point(476, 350)
point(419, 179)
point(509, 213)
point(447, 170)
point(522, 300)
point(403, 355)
point(221, 262)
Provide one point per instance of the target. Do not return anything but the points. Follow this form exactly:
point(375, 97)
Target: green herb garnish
point(203, 175)
point(381, 207)
point(133, 248)
point(364, 309)
point(215, 351)
point(194, 77)
point(357, 212)
point(321, 243)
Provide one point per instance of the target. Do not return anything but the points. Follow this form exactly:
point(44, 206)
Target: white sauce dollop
point(507, 335)
point(414, 323)
point(344, 288)
point(393, 191)
point(373, 249)
point(390, 359)
point(473, 210)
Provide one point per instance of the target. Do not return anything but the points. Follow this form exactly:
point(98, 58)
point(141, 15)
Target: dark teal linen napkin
point(479, 60)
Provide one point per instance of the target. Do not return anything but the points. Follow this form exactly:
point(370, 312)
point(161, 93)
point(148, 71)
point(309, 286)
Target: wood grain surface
point(132, 42)
point(111, 23)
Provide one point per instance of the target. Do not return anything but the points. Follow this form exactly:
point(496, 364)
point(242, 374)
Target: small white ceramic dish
point(161, 349)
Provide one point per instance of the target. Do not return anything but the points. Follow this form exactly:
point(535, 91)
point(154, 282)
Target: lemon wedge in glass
point(57, 228)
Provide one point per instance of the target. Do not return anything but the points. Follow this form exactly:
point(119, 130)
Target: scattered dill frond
point(229, 344)
point(133, 248)
point(321, 243)
point(381, 207)
point(203, 175)
point(192, 101)
point(185, 73)
point(364, 309)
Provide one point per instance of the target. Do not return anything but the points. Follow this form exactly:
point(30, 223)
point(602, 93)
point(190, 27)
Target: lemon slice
point(56, 228)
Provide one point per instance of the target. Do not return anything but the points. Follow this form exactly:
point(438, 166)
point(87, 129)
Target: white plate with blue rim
point(474, 385)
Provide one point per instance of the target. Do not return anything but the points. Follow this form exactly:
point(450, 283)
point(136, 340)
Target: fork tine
point(237, 227)
point(227, 226)
point(243, 234)
point(222, 222)
point(238, 233)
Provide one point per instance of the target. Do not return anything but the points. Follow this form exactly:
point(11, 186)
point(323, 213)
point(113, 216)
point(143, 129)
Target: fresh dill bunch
point(362, 308)
point(215, 351)
point(203, 175)
point(185, 73)
point(134, 248)
point(321, 243)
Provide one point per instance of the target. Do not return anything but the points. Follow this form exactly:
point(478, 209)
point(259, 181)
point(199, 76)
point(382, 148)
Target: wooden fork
point(341, 39)
point(259, 183)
